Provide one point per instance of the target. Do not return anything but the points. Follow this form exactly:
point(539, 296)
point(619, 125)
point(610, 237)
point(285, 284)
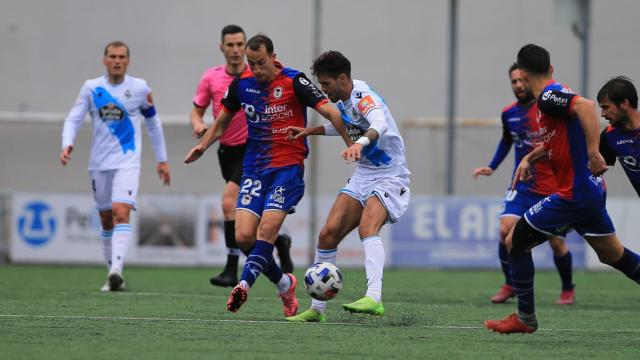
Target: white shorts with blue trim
point(393, 192)
point(115, 186)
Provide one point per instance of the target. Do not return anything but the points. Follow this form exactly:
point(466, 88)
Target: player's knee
point(121, 217)
point(228, 206)
point(244, 238)
point(106, 220)
point(525, 237)
point(368, 227)
point(558, 246)
point(504, 231)
point(268, 230)
point(608, 256)
point(329, 236)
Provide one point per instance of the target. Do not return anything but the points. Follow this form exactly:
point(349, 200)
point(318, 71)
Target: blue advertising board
point(460, 232)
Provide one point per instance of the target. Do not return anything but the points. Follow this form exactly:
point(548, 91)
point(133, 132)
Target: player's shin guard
point(503, 254)
point(105, 237)
point(629, 264)
point(257, 262)
point(374, 265)
point(564, 264)
point(524, 238)
point(522, 274)
point(120, 246)
point(323, 256)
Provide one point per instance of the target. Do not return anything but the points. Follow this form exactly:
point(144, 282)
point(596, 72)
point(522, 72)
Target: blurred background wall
point(399, 47)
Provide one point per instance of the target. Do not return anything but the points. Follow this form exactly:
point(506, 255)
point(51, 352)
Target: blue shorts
point(271, 189)
point(516, 203)
point(554, 215)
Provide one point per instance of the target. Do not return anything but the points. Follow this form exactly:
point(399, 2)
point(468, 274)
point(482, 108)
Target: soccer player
point(518, 123)
point(273, 98)
point(378, 191)
point(211, 89)
point(618, 100)
point(117, 103)
point(568, 136)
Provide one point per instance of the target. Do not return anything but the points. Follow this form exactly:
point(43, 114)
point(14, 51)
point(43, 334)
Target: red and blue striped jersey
point(565, 143)
point(519, 124)
point(269, 109)
point(625, 145)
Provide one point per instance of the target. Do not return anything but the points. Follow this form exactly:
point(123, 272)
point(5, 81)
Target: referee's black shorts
point(230, 158)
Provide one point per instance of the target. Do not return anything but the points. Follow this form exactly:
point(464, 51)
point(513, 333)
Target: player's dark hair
point(331, 63)
point(617, 90)
point(513, 66)
point(535, 59)
point(260, 40)
point(116, 43)
point(231, 29)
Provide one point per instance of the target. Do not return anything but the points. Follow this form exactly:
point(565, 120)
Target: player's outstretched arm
point(586, 111)
point(354, 152)
point(296, 132)
point(332, 114)
point(483, 170)
point(523, 171)
point(210, 136)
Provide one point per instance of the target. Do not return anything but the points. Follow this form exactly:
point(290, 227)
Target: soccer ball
point(323, 281)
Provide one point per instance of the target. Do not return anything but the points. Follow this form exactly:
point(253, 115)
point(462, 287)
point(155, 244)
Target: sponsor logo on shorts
point(278, 196)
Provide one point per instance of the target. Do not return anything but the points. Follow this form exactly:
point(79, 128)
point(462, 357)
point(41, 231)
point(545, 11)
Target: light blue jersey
point(363, 110)
point(116, 112)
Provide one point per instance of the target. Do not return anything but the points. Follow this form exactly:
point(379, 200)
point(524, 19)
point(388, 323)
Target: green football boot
point(309, 315)
point(366, 305)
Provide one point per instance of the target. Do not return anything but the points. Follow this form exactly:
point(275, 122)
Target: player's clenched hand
point(597, 165)
point(163, 172)
point(65, 155)
point(195, 154)
point(353, 153)
point(522, 173)
point(484, 170)
point(295, 132)
point(199, 130)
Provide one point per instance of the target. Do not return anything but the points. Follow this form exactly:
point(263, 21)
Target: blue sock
point(503, 254)
point(273, 272)
point(629, 264)
point(522, 273)
point(257, 261)
point(564, 265)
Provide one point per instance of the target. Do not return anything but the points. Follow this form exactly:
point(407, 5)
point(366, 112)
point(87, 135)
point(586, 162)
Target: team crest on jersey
point(127, 94)
point(366, 104)
point(277, 92)
point(111, 112)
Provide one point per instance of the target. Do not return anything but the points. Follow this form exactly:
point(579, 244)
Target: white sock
point(323, 256)
point(284, 284)
point(374, 265)
point(120, 245)
point(105, 237)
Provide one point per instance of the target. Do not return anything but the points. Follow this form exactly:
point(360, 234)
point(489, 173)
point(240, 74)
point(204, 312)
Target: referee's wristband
point(363, 140)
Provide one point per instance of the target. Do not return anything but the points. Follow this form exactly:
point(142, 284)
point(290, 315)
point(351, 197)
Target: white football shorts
point(393, 192)
point(115, 186)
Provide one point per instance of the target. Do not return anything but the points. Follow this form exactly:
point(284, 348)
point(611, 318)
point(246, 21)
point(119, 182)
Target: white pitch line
point(127, 318)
